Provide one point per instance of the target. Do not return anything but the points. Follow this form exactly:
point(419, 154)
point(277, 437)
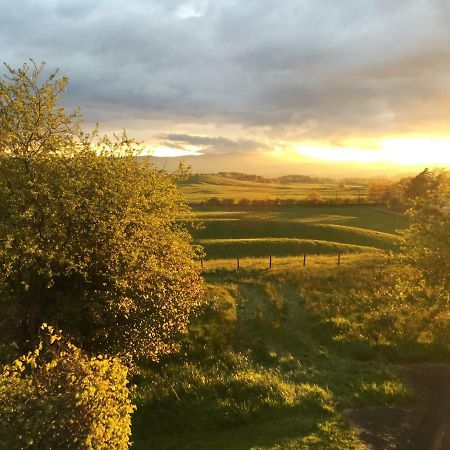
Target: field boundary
point(305, 260)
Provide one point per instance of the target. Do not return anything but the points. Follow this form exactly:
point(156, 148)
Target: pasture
point(202, 187)
point(279, 355)
point(231, 232)
point(286, 344)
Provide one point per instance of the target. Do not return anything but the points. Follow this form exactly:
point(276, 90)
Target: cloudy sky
point(359, 80)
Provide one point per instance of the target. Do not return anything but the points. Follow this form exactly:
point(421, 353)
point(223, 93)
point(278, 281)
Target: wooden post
point(237, 262)
point(304, 260)
point(270, 262)
point(339, 259)
point(201, 263)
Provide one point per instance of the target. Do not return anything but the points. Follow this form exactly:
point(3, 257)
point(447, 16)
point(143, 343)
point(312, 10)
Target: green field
point(203, 187)
point(279, 355)
point(292, 231)
point(282, 351)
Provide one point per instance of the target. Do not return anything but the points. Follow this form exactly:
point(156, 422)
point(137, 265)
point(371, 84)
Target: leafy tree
point(426, 243)
point(93, 239)
point(314, 197)
point(424, 185)
point(378, 190)
point(58, 397)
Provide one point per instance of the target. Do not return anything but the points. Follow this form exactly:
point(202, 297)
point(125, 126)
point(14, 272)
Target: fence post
point(339, 259)
point(304, 259)
point(237, 262)
point(270, 262)
point(201, 263)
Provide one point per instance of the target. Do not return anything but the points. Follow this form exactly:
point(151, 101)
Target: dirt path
point(424, 425)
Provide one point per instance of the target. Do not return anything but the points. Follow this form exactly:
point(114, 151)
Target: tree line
point(313, 198)
point(401, 195)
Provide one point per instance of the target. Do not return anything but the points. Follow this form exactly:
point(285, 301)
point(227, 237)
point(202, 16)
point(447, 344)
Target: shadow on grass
point(266, 377)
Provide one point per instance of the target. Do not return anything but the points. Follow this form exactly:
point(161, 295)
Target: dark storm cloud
point(213, 144)
point(302, 68)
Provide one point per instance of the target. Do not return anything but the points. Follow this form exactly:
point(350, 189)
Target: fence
point(294, 262)
point(270, 261)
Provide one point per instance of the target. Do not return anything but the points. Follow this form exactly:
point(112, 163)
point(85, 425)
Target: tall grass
point(277, 356)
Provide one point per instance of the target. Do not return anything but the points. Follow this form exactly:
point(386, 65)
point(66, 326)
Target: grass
point(262, 229)
point(289, 263)
point(278, 355)
point(259, 232)
point(280, 247)
point(370, 218)
point(208, 186)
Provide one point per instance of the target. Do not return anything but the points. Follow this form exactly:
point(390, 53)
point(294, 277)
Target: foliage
point(92, 238)
point(314, 197)
point(387, 192)
point(426, 243)
point(57, 397)
point(424, 185)
point(386, 310)
point(404, 193)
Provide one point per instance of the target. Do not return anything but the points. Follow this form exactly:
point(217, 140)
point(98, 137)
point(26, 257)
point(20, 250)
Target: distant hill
point(302, 179)
point(286, 179)
point(269, 166)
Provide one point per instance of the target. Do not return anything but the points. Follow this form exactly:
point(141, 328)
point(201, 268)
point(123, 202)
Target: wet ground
point(422, 425)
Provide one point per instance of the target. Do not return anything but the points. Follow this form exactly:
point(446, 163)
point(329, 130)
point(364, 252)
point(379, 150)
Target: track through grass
point(264, 370)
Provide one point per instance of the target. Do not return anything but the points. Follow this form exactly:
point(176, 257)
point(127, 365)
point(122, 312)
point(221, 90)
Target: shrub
point(92, 237)
point(57, 397)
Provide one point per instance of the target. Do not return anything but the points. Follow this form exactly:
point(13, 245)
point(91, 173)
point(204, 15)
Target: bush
point(57, 397)
point(92, 237)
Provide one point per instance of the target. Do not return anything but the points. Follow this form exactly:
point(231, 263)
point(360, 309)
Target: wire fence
point(270, 262)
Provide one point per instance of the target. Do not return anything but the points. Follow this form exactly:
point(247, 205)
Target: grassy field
point(279, 355)
point(258, 232)
point(289, 263)
point(204, 187)
point(275, 247)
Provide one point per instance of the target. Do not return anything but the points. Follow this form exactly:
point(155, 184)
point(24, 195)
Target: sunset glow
point(402, 151)
point(169, 152)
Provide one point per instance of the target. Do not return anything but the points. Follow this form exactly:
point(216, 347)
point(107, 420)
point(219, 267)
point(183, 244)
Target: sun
point(417, 151)
point(401, 151)
point(339, 154)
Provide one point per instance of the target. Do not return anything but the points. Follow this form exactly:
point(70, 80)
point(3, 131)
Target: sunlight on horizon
point(170, 152)
point(402, 151)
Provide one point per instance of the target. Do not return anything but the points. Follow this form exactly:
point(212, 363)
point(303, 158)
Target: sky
point(364, 81)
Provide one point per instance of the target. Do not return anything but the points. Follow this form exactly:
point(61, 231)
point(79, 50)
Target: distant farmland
point(201, 188)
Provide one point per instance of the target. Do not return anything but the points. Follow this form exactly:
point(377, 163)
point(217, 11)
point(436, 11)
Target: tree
point(93, 239)
point(314, 197)
point(426, 243)
point(377, 190)
point(424, 185)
